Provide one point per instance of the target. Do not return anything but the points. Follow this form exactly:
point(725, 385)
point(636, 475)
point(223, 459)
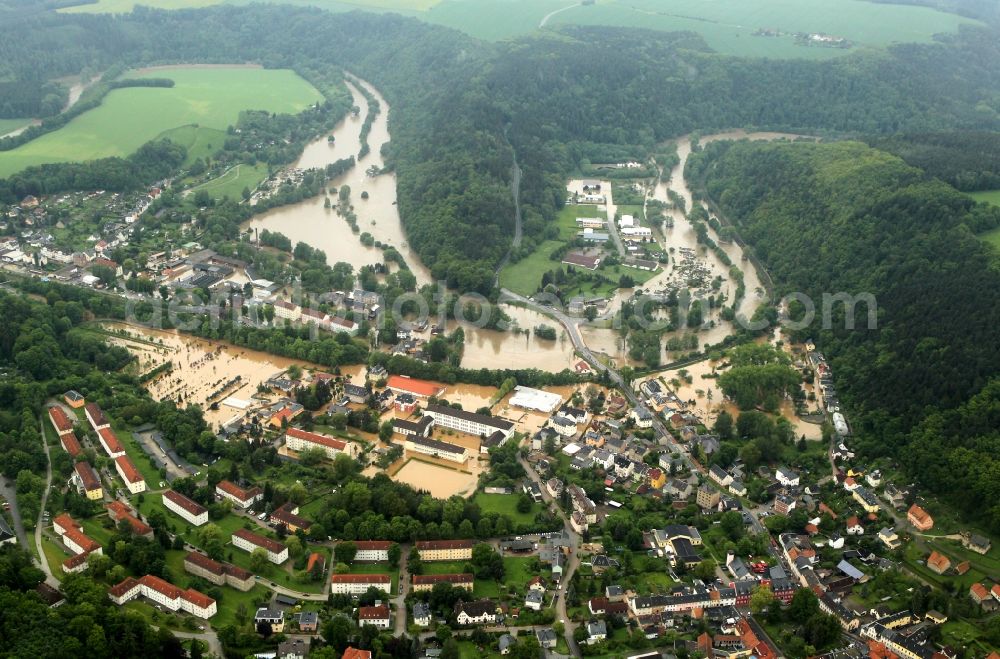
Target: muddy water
point(321, 227)
point(442, 482)
point(493, 349)
point(200, 368)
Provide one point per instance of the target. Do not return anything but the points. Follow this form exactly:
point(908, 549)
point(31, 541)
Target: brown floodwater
point(510, 349)
point(310, 222)
point(200, 368)
point(441, 481)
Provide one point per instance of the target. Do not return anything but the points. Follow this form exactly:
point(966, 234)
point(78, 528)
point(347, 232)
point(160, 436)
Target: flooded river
point(320, 227)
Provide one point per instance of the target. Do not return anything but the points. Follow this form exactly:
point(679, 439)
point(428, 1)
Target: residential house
point(421, 614)
point(708, 497)
point(938, 562)
point(720, 475)
point(479, 612)
point(919, 518)
point(376, 616)
point(978, 593)
point(358, 584)
point(597, 631)
point(534, 600)
point(976, 543)
point(189, 510)
point(241, 497)
point(248, 541)
point(786, 477)
point(889, 538)
point(273, 617)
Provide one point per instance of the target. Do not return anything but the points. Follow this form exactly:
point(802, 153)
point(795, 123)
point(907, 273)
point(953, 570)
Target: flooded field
point(441, 481)
point(493, 349)
point(201, 368)
point(320, 227)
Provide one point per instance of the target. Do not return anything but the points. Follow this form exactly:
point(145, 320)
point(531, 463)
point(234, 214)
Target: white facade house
point(276, 552)
point(468, 422)
point(436, 448)
point(287, 310)
point(372, 551)
point(376, 616)
point(242, 497)
point(358, 584)
point(297, 439)
point(165, 594)
point(786, 477)
point(190, 511)
point(130, 475)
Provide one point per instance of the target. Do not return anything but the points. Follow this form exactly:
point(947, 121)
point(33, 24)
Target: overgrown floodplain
point(209, 97)
point(728, 26)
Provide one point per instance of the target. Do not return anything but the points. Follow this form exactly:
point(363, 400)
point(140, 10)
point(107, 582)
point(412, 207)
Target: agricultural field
point(199, 141)
point(727, 26)
point(211, 97)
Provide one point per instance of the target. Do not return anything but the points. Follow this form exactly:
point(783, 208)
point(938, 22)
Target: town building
point(358, 584)
point(60, 421)
point(248, 541)
point(110, 443)
point(422, 582)
point(119, 512)
point(129, 474)
point(376, 616)
point(402, 384)
point(273, 617)
point(95, 416)
point(87, 480)
point(435, 448)
point(218, 573)
point(480, 612)
point(919, 518)
point(421, 428)
point(421, 614)
point(241, 497)
point(372, 551)
point(74, 399)
point(308, 622)
point(71, 444)
point(299, 440)
point(708, 497)
point(468, 422)
point(193, 513)
point(165, 594)
point(287, 515)
point(71, 533)
point(444, 550)
point(866, 499)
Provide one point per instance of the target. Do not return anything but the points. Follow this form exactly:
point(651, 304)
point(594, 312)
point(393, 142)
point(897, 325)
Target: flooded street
point(201, 368)
point(310, 222)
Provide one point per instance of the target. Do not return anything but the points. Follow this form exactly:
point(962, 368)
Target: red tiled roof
point(979, 590)
point(95, 413)
point(316, 438)
point(74, 561)
point(120, 511)
point(204, 562)
point(127, 584)
point(161, 586)
point(444, 544)
point(87, 476)
point(66, 522)
point(424, 579)
point(273, 546)
point(354, 653)
point(372, 545)
point(59, 420)
point(373, 613)
point(198, 599)
point(111, 440)
point(938, 561)
point(127, 469)
point(71, 444)
point(237, 491)
point(414, 386)
point(918, 514)
point(185, 503)
point(360, 578)
point(313, 559)
point(82, 540)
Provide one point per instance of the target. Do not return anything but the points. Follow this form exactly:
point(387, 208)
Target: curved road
point(549, 15)
point(49, 577)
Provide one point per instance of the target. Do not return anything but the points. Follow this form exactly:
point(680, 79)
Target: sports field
point(211, 97)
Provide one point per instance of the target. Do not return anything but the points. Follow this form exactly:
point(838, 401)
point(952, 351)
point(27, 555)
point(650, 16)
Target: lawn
point(234, 180)
point(516, 572)
point(55, 555)
point(139, 458)
point(525, 276)
point(567, 218)
point(211, 97)
point(200, 142)
point(505, 504)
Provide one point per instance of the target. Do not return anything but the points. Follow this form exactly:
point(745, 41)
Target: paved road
point(209, 638)
point(549, 15)
point(10, 494)
point(515, 190)
point(50, 578)
point(404, 588)
point(572, 563)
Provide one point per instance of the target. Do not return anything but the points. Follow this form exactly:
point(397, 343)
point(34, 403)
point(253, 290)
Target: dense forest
point(967, 160)
point(843, 217)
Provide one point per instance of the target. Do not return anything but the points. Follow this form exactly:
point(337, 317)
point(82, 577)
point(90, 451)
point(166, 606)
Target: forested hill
point(847, 218)
point(461, 108)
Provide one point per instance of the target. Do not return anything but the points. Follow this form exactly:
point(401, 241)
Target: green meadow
point(207, 97)
point(990, 197)
point(727, 26)
point(10, 125)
